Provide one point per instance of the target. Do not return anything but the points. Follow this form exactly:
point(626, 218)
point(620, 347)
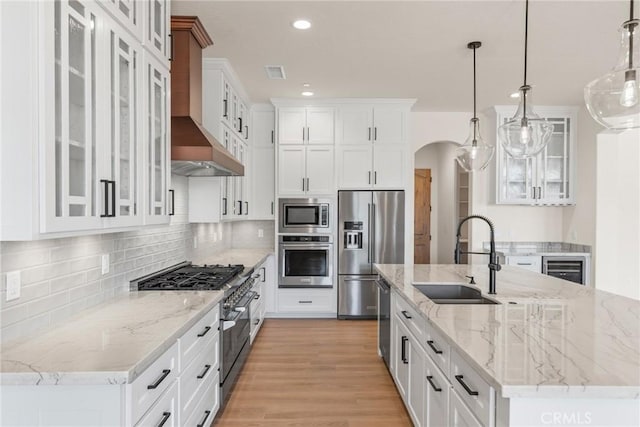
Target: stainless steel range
point(236, 282)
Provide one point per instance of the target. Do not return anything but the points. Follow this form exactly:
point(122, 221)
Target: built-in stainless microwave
point(304, 215)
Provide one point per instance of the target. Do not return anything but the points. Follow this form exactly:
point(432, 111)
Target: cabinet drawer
point(411, 318)
point(207, 407)
point(193, 340)
point(301, 301)
point(475, 392)
point(461, 415)
point(148, 387)
point(164, 412)
point(528, 262)
point(437, 394)
point(437, 348)
point(197, 376)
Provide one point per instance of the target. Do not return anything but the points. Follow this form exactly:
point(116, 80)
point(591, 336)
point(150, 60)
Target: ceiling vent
point(275, 72)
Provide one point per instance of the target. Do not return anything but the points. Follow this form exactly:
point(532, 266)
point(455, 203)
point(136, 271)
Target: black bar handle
point(465, 386)
point(375, 177)
point(257, 296)
point(170, 47)
point(264, 274)
point(406, 315)
point(106, 198)
point(369, 138)
point(155, 385)
point(433, 385)
point(204, 420)
point(273, 137)
point(246, 211)
point(246, 132)
point(272, 208)
point(375, 133)
point(224, 206)
point(165, 417)
point(404, 350)
point(205, 331)
point(203, 373)
point(239, 207)
point(240, 124)
point(113, 199)
point(225, 112)
point(255, 322)
point(173, 202)
point(433, 347)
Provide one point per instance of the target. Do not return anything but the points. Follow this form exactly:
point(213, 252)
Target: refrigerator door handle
point(369, 225)
point(361, 280)
point(372, 233)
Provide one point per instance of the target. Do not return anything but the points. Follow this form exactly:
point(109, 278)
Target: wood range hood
point(194, 151)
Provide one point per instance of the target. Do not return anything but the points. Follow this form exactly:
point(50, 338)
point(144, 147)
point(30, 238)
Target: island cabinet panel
point(165, 412)
point(475, 392)
point(436, 395)
point(461, 415)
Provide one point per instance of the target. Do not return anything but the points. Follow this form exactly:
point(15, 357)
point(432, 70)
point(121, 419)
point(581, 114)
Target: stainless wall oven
point(304, 215)
point(305, 261)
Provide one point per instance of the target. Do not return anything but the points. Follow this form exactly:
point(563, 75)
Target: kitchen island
point(550, 352)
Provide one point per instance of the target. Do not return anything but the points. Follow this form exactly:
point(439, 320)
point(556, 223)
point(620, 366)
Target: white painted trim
point(293, 102)
point(224, 65)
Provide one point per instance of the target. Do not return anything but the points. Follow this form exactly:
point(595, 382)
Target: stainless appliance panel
point(305, 264)
point(304, 215)
point(572, 268)
point(354, 207)
point(357, 297)
point(388, 225)
point(384, 320)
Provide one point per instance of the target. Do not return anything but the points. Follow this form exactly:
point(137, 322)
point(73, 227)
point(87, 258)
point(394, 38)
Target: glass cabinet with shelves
point(549, 177)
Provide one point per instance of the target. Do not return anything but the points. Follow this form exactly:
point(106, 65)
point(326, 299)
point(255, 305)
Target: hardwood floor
point(315, 373)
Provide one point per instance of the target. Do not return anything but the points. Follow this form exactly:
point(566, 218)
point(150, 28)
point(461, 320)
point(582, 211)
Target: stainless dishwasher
point(572, 268)
point(384, 320)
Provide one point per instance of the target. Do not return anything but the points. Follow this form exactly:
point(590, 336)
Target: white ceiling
point(415, 49)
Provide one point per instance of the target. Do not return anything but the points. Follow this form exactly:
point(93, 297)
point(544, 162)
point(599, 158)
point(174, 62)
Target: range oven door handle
point(228, 324)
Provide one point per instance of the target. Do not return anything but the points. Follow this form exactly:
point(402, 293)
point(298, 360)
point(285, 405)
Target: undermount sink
point(453, 294)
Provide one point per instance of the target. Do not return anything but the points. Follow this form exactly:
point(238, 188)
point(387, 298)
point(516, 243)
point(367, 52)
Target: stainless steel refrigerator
point(371, 230)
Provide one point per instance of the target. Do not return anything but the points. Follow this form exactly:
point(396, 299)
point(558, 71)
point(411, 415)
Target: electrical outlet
point(13, 285)
point(105, 263)
point(195, 242)
point(260, 232)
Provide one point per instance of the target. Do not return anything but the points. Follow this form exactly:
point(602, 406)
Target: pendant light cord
point(526, 37)
point(631, 29)
point(474, 83)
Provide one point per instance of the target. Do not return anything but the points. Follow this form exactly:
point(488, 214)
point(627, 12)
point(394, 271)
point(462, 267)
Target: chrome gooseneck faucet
point(493, 258)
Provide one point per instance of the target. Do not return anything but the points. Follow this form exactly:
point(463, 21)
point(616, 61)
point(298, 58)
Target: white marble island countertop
point(111, 343)
point(547, 338)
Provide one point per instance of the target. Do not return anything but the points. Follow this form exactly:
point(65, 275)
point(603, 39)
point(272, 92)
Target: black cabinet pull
point(305, 302)
point(239, 207)
point(173, 202)
point(375, 177)
point(225, 104)
point(170, 47)
point(465, 386)
point(369, 181)
point(406, 315)
point(165, 417)
point(264, 274)
point(404, 350)
point(271, 208)
point(433, 385)
point(155, 385)
point(433, 347)
point(224, 206)
point(246, 205)
point(106, 198)
point(257, 296)
point(109, 211)
point(273, 137)
point(375, 133)
point(240, 124)
point(246, 132)
point(204, 420)
point(203, 373)
point(255, 322)
point(369, 138)
point(205, 331)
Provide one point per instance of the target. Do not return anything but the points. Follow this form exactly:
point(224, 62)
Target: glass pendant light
point(475, 154)
point(612, 99)
point(525, 134)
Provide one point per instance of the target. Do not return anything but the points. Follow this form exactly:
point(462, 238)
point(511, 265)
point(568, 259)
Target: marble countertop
point(547, 338)
point(111, 343)
point(540, 248)
point(250, 258)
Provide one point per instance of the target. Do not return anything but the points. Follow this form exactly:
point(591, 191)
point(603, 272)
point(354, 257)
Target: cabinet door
point(291, 125)
point(263, 178)
point(436, 401)
point(226, 102)
point(74, 197)
point(157, 140)
point(553, 165)
point(125, 137)
point(263, 124)
point(528, 262)
point(401, 360)
point(226, 203)
point(416, 381)
point(157, 29)
point(389, 166)
point(291, 170)
point(320, 125)
point(243, 125)
point(355, 166)
point(128, 13)
point(356, 125)
point(516, 180)
point(319, 170)
point(388, 125)
point(461, 415)
point(270, 285)
point(239, 190)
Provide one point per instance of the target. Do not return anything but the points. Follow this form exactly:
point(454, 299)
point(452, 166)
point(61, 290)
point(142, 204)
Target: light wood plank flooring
point(315, 373)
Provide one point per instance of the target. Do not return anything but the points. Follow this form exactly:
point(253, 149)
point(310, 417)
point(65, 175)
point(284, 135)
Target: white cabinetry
point(263, 162)
point(94, 140)
point(157, 28)
point(528, 262)
point(436, 400)
point(372, 147)
point(306, 125)
point(128, 12)
point(549, 178)
point(305, 169)
point(258, 305)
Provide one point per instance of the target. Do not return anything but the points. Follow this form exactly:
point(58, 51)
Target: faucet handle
point(496, 266)
point(472, 281)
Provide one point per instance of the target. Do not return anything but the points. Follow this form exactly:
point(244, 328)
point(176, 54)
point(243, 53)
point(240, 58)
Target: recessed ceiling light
point(307, 93)
point(301, 24)
point(515, 95)
point(305, 85)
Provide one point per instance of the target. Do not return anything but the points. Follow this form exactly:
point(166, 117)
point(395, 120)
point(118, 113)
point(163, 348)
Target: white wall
point(618, 213)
